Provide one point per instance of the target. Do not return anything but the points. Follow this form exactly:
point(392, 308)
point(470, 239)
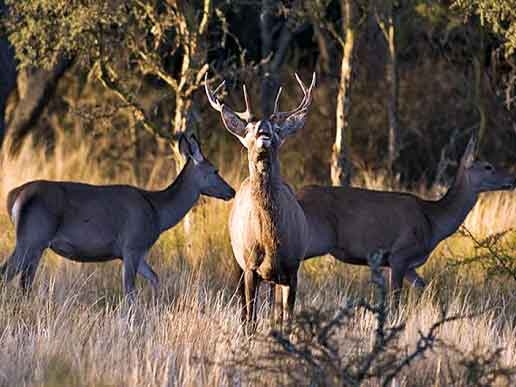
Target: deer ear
point(189, 147)
point(233, 123)
point(469, 154)
point(293, 123)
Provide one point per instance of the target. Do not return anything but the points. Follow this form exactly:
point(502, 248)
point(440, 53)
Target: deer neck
point(264, 173)
point(265, 181)
point(448, 213)
point(174, 202)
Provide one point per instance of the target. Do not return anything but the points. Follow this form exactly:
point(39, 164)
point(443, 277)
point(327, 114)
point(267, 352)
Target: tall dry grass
point(75, 329)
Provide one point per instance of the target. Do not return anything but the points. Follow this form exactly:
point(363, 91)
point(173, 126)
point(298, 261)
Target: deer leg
point(241, 291)
point(397, 274)
point(271, 299)
point(131, 262)
point(12, 266)
point(414, 279)
point(278, 304)
point(29, 269)
point(251, 283)
point(289, 299)
point(145, 270)
point(400, 261)
point(34, 230)
point(24, 260)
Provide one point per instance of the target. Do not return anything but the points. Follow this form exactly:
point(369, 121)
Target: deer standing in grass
point(89, 223)
point(267, 226)
point(351, 223)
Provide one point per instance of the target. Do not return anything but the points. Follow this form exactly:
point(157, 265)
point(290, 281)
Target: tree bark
point(341, 167)
point(393, 80)
point(325, 58)
point(36, 87)
point(194, 57)
point(479, 68)
point(7, 77)
point(276, 52)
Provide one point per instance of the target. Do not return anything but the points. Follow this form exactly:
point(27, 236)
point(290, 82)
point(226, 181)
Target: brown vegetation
point(75, 329)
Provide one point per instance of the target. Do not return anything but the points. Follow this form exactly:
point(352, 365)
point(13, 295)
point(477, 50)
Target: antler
point(246, 115)
point(305, 102)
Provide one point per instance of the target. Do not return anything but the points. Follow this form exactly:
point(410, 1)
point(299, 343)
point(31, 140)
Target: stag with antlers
point(267, 226)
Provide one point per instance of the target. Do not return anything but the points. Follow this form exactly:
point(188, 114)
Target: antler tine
point(298, 79)
point(218, 106)
point(214, 102)
point(276, 101)
point(307, 93)
point(312, 84)
point(246, 115)
point(305, 102)
point(220, 86)
point(308, 99)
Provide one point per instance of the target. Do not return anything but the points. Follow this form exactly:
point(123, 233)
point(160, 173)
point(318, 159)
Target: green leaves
point(43, 30)
point(498, 15)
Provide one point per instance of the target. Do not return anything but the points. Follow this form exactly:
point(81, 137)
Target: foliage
point(498, 15)
point(494, 253)
point(120, 43)
point(44, 29)
point(151, 56)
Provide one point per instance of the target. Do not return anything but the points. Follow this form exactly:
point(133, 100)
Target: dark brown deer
point(268, 229)
point(90, 223)
point(352, 223)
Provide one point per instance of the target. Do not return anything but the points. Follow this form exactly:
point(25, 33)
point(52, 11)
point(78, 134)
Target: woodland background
point(401, 84)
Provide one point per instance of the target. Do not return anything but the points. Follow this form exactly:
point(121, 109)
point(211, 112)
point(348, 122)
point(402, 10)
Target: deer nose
point(511, 185)
point(264, 128)
point(231, 193)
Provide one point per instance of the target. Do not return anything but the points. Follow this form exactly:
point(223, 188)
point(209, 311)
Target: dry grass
point(75, 329)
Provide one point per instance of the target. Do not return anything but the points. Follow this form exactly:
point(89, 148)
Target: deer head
point(482, 176)
point(204, 174)
point(263, 137)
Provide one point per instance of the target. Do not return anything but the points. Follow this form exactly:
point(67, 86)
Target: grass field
point(74, 329)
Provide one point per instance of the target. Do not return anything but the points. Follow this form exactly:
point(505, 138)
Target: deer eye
point(488, 167)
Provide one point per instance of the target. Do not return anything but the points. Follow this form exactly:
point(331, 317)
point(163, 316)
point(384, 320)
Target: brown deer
point(267, 226)
point(351, 223)
point(90, 223)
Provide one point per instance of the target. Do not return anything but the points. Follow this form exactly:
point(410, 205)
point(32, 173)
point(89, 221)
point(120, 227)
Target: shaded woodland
point(401, 85)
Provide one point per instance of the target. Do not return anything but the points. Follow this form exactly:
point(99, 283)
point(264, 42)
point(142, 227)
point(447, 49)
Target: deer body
point(352, 217)
point(268, 228)
point(351, 223)
point(89, 223)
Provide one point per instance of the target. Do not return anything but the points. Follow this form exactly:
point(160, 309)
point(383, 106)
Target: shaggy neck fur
point(265, 179)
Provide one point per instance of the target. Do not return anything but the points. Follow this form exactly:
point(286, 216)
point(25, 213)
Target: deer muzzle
point(264, 135)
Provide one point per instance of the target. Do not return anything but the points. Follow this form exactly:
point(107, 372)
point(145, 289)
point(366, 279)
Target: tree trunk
point(392, 79)
point(194, 57)
point(271, 78)
point(479, 68)
point(7, 78)
point(36, 88)
point(341, 160)
point(325, 58)
point(137, 153)
point(2, 121)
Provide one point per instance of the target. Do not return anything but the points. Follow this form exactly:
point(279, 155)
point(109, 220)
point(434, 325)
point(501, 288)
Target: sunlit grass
point(75, 328)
